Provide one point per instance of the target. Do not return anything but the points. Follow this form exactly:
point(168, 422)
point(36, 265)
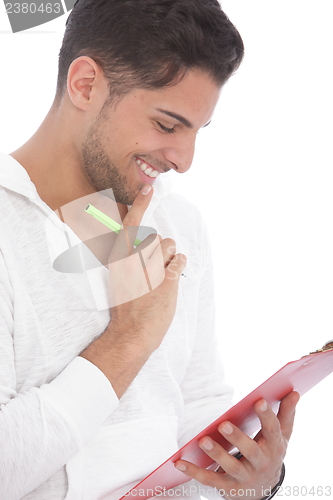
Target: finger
point(148, 246)
point(164, 265)
point(168, 273)
point(286, 414)
point(132, 220)
point(175, 267)
point(227, 462)
point(168, 249)
point(246, 445)
point(157, 248)
point(140, 205)
point(156, 257)
point(203, 476)
point(270, 425)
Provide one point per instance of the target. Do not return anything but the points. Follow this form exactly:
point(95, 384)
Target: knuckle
point(169, 242)
point(182, 258)
point(235, 468)
point(265, 468)
point(245, 476)
point(254, 454)
point(281, 449)
point(276, 431)
point(210, 481)
point(152, 239)
point(130, 220)
point(273, 427)
point(207, 478)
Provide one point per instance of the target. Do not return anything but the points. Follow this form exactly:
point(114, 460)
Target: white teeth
point(147, 170)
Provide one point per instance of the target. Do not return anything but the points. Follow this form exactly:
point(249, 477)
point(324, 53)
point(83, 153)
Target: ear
point(87, 86)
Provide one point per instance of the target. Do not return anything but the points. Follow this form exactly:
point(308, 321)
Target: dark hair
point(150, 43)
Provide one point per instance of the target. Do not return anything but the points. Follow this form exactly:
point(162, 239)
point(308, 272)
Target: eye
point(166, 129)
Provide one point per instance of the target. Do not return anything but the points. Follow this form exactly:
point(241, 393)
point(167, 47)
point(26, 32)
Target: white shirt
point(63, 432)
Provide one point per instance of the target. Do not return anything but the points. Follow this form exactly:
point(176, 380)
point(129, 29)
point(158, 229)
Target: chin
point(125, 198)
point(117, 192)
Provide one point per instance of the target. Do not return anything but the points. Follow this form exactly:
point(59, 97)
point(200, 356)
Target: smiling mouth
point(147, 169)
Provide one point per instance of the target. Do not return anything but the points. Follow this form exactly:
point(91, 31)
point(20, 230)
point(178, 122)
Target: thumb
point(286, 413)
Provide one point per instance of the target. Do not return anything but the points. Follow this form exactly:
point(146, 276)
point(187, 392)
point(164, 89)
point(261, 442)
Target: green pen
point(107, 221)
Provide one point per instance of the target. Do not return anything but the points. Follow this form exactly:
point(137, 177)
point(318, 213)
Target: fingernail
point(207, 444)
point(263, 406)
point(181, 467)
point(227, 429)
point(146, 189)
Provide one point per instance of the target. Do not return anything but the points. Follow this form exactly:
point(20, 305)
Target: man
point(94, 399)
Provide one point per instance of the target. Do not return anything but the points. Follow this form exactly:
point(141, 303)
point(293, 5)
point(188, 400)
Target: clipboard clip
point(326, 347)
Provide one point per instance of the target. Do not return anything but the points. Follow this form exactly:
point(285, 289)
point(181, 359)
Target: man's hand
point(143, 282)
point(143, 292)
point(260, 467)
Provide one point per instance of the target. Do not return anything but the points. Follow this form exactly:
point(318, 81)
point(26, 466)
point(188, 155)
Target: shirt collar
point(15, 178)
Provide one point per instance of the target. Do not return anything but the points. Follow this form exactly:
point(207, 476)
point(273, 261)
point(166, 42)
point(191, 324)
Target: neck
point(53, 160)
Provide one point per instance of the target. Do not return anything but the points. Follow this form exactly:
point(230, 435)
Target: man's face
point(146, 134)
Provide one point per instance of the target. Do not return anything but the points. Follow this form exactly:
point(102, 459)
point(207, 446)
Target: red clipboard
point(300, 376)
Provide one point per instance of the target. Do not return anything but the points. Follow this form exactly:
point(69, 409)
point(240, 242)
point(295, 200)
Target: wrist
point(119, 359)
point(273, 491)
point(141, 340)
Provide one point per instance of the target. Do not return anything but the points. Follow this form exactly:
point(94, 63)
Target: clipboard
point(300, 375)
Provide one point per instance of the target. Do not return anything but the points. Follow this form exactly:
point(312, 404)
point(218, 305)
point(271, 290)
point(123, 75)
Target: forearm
point(119, 359)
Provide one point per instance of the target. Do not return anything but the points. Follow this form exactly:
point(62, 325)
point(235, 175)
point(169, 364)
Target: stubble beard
point(100, 169)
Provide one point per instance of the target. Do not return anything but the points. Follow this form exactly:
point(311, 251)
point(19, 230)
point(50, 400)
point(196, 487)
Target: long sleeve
point(43, 427)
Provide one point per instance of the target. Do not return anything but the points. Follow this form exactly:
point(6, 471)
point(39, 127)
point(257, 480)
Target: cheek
point(148, 141)
point(131, 137)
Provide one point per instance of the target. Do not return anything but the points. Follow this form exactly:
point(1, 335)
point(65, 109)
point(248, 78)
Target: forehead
point(193, 98)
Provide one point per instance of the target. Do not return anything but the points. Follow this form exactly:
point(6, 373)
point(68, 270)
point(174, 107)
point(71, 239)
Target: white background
point(263, 180)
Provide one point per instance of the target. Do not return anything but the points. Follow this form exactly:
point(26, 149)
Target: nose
point(181, 153)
